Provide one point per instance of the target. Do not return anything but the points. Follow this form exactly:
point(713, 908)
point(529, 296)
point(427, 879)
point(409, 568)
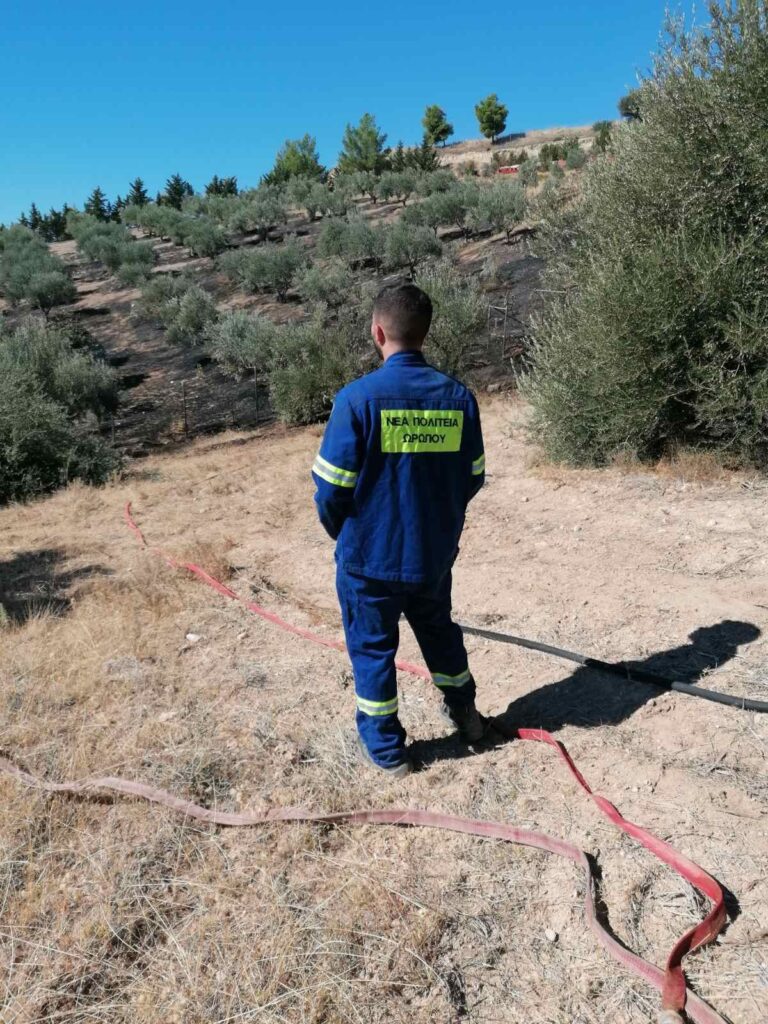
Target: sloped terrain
point(113, 663)
point(159, 380)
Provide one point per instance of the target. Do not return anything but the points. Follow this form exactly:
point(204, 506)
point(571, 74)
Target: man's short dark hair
point(406, 310)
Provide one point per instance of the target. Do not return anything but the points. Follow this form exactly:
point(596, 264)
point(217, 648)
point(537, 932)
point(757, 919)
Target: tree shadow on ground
point(588, 698)
point(36, 582)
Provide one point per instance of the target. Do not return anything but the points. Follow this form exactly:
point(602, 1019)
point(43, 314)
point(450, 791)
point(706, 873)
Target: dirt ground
point(480, 151)
point(115, 911)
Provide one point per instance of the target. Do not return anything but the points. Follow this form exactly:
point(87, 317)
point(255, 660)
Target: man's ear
point(378, 333)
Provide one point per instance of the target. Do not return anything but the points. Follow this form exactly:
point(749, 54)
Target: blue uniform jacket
point(401, 458)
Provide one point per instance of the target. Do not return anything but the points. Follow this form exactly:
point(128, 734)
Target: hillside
point(170, 393)
point(114, 663)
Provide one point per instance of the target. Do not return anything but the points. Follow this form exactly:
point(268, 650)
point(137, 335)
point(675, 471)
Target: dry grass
point(118, 912)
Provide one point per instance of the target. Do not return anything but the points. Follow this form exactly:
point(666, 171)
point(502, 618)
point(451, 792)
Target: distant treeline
point(363, 149)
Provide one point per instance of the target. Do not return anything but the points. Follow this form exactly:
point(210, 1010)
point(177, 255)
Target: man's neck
point(393, 348)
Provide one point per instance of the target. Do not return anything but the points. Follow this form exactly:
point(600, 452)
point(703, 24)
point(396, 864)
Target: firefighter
point(401, 458)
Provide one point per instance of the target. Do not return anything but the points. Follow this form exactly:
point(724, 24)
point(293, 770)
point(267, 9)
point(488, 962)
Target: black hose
point(621, 670)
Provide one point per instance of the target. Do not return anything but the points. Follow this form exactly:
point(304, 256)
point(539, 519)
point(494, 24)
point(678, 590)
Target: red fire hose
point(675, 996)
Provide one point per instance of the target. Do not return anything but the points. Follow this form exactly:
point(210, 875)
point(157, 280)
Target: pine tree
point(35, 220)
point(97, 205)
point(399, 160)
point(116, 208)
point(221, 186)
point(363, 147)
point(176, 191)
point(436, 127)
point(137, 194)
point(296, 158)
point(491, 116)
point(54, 227)
point(423, 157)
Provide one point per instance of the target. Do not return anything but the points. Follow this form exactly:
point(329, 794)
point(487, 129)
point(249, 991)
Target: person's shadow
point(589, 698)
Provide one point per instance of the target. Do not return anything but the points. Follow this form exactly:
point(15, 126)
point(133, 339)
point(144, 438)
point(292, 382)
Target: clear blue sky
point(99, 93)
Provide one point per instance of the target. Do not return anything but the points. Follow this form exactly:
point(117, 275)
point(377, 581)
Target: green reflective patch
point(419, 431)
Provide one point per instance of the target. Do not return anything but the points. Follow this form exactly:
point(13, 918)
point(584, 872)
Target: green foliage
point(363, 243)
point(436, 126)
point(364, 183)
point(304, 364)
point(338, 200)
point(330, 241)
point(327, 283)
point(131, 275)
point(399, 185)
point(203, 236)
point(655, 333)
point(355, 240)
point(72, 378)
point(257, 210)
point(491, 116)
point(363, 147)
point(188, 322)
point(550, 153)
point(296, 158)
point(508, 158)
point(423, 158)
point(270, 268)
point(112, 245)
point(29, 271)
point(397, 158)
point(176, 190)
point(159, 294)
point(49, 396)
point(409, 245)
point(575, 158)
point(185, 309)
point(155, 220)
point(451, 208)
point(603, 133)
point(221, 186)
point(137, 194)
point(51, 288)
point(312, 361)
point(243, 341)
point(429, 182)
point(52, 227)
point(310, 194)
point(97, 205)
point(501, 206)
point(528, 174)
point(459, 318)
point(629, 105)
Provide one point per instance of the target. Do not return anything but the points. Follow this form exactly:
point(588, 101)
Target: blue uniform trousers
point(371, 611)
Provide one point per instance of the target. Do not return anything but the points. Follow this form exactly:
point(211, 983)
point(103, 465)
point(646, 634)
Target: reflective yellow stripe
point(478, 466)
point(331, 479)
point(377, 707)
point(459, 680)
point(345, 474)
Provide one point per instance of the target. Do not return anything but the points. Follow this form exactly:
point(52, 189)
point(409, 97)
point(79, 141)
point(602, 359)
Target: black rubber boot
point(467, 721)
